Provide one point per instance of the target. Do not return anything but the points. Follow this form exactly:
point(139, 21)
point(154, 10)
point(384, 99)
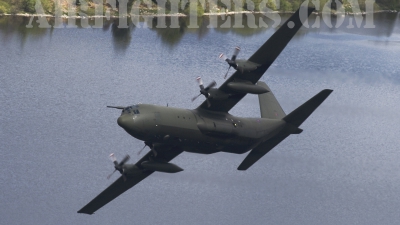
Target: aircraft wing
point(120, 186)
point(264, 56)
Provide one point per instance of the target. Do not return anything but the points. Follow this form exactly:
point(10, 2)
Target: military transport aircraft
point(210, 128)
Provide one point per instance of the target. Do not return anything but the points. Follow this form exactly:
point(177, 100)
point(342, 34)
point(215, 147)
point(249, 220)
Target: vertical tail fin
point(269, 106)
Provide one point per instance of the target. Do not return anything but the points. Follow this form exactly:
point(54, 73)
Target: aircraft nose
point(124, 121)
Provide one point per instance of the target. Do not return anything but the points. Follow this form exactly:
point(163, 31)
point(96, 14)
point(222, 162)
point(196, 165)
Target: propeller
point(142, 149)
point(118, 166)
point(204, 90)
point(232, 60)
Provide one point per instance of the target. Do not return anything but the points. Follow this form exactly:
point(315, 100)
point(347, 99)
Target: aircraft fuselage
point(198, 131)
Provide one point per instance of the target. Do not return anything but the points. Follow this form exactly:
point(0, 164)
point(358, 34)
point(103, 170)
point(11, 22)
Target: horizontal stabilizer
point(299, 115)
point(294, 120)
point(262, 149)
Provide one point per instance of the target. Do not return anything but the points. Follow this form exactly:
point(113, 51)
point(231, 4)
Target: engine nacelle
point(216, 94)
point(161, 166)
point(131, 170)
point(245, 65)
point(247, 88)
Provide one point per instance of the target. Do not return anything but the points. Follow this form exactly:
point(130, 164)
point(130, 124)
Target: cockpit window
point(133, 109)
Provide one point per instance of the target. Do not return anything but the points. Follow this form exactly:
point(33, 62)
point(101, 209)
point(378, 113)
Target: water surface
point(56, 133)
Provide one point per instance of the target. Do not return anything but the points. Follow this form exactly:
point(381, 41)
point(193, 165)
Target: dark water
point(56, 133)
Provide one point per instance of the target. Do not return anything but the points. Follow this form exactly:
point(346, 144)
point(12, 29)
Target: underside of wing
point(113, 191)
point(240, 83)
point(164, 154)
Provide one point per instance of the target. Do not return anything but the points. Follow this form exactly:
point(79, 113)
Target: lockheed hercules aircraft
point(210, 128)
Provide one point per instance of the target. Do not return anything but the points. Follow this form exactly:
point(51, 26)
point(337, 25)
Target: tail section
point(293, 120)
point(269, 106)
point(299, 115)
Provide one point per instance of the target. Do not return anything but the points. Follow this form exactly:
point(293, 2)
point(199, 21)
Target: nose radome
point(123, 121)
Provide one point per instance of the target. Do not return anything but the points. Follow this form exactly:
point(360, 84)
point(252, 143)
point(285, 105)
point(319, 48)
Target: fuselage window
point(130, 109)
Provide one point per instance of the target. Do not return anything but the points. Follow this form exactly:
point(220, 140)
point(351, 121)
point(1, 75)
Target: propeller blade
point(211, 85)
point(124, 160)
point(208, 102)
point(112, 157)
point(235, 53)
point(108, 177)
point(199, 80)
point(227, 72)
point(195, 97)
point(204, 91)
point(223, 57)
point(145, 146)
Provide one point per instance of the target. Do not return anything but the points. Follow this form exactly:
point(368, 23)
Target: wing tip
point(82, 212)
point(244, 165)
point(241, 168)
point(326, 92)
